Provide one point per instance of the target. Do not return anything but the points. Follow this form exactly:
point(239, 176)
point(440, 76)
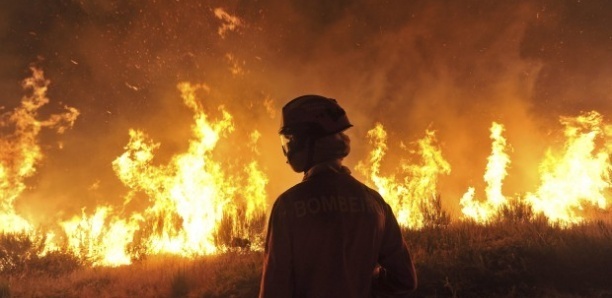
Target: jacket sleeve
point(277, 276)
point(396, 274)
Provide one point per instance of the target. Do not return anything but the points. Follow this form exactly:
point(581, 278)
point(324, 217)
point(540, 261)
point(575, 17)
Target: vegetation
point(528, 259)
point(234, 274)
point(20, 256)
point(509, 258)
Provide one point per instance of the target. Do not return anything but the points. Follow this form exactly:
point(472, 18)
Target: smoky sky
point(450, 66)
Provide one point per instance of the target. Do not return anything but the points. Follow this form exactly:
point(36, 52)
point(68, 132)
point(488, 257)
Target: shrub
point(21, 254)
point(15, 251)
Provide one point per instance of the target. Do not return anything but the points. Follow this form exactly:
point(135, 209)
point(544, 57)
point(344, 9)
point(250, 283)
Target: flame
point(19, 149)
point(198, 204)
point(412, 192)
point(498, 161)
point(197, 207)
point(192, 196)
point(570, 181)
point(97, 238)
point(579, 175)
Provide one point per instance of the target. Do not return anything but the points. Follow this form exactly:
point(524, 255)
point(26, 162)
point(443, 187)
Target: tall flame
point(193, 196)
point(412, 192)
point(497, 162)
point(579, 175)
point(570, 180)
point(19, 149)
point(196, 206)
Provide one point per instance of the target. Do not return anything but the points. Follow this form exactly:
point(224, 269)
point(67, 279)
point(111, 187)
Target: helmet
point(314, 116)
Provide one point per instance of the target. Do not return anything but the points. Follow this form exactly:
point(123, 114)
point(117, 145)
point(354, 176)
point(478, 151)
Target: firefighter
point(330, 235)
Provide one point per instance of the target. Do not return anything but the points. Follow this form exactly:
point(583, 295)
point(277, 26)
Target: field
point(505, 259)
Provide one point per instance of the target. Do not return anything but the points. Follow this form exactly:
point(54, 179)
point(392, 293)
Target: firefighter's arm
point(396, 274)
point(277, 277)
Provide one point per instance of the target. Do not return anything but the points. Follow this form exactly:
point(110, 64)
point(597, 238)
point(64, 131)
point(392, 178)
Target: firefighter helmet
point(313, 116)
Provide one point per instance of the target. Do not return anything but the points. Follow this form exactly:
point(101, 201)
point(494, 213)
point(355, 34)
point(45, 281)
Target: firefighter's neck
point(334, 165)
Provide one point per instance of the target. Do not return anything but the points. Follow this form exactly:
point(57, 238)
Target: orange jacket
point(329, 236)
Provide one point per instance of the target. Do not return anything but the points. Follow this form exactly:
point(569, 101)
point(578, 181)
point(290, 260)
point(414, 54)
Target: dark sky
point(451, 66)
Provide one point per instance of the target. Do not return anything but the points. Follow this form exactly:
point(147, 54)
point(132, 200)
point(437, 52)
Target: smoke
point(451, 66)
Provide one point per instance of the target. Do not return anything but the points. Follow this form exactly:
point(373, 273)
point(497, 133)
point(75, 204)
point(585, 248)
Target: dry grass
point(228, 275)
point(505, 259)
point(529, 259)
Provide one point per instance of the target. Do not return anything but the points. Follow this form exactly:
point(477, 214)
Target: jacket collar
point(334, 166)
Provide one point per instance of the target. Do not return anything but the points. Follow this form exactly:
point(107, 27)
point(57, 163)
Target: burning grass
point(503, 259)
point(200, 234)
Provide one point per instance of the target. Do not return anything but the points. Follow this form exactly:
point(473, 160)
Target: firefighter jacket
point(329, 236)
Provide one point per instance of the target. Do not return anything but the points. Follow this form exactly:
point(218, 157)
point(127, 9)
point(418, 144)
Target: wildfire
point(97, 239)
point(411, 192)
point(497, 163)
point(571, 180)
point(19, 149)
point(579, 175)
point(197, 204)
